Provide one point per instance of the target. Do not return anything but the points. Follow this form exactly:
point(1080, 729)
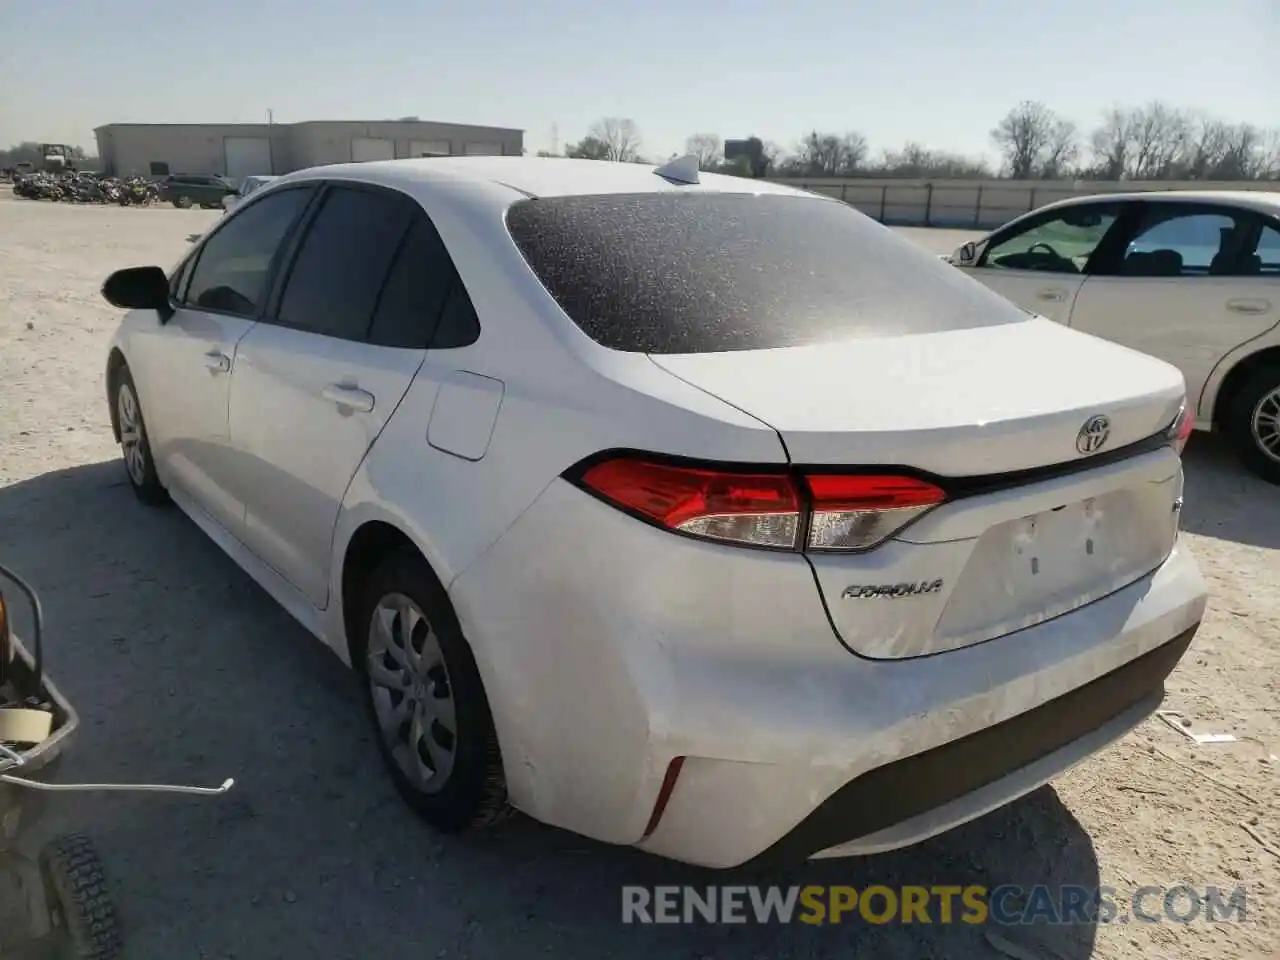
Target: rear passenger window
point(459, 326)
point(416, 289)
point(344, 260)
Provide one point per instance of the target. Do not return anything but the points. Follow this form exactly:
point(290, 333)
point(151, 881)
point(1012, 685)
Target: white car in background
point(1190, 277)
point(683, 511)
point(247, 187)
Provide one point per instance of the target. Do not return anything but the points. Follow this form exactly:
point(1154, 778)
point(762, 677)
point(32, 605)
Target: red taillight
point(757, 508)
point(1182, 428)
point(764, 509)
point(854, 513)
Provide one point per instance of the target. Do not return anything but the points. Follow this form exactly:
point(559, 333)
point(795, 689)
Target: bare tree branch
point(620, 136)
point(1035, 142)
point(708, 148)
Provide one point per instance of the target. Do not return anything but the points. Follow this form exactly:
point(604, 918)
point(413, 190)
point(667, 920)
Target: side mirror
point(966, 254)
point(139, 288)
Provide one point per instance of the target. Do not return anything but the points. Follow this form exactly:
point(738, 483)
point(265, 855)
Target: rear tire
point(135, 443)
point(419, 677)
point(182, 203)
point(1253, 423)
point(78, 893)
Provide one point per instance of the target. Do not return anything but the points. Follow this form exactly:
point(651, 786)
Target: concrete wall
point(330, 141)
point(979, 204)
point(129, 149)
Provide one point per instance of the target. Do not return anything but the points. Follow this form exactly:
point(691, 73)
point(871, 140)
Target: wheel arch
point(368, 546)
point(1236, 377)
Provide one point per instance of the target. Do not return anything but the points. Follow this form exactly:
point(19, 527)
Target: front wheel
point(425, 698)
point(135, 445)
point(1253, 423)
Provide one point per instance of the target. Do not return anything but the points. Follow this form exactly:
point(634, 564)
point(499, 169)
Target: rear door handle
point(1249, 306)
point(349, 397)
point(217, 361)
point(1052, 294)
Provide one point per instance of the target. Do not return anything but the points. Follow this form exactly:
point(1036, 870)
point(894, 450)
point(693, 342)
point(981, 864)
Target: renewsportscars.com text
point(937, 904)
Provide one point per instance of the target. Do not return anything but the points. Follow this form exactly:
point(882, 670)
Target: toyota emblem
point(1093, 435)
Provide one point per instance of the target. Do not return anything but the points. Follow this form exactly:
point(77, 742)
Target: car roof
point(1266, 201)
point(540, 176)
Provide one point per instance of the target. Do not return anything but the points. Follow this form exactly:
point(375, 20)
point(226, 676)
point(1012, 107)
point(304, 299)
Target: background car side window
point(1059, 243)
point(1266, 257)
point(233, 267)
point(344, 261)
point(424, 303)
point(1187, 241)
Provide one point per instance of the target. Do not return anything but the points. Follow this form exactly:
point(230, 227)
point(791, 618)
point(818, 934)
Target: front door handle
point(348, 397)
point(1052, 294)
point(1249, 306)
point(217, 361)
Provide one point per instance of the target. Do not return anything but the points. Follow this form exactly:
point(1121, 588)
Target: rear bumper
point(912, 799)
point(609, 649)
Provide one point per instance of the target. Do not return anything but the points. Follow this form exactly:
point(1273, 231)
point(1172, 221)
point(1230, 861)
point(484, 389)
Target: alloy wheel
point(1265, 424)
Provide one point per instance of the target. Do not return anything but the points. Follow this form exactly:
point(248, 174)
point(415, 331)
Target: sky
point(939, 72)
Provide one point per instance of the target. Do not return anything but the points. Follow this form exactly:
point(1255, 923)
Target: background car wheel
point(1253, 423)
point(81, 902)
point(426, 700)
point(135, 446)
point(182, 202)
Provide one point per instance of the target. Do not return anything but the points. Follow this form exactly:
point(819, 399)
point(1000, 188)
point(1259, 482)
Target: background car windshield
point(709, 272)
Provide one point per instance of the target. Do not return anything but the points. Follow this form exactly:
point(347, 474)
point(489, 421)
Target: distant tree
point(916, 161)
point(588, 148)
point(708, 148)
point(28, 151)
point(1035, 142)
point(612, 138)
point(1160, 136)
point(1112, 143)
point(827, 155)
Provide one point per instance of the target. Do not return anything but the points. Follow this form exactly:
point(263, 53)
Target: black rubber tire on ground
point(1239, 423)
point(78, 892)
point(182, 203)
point(475, 795)
point(150, 490)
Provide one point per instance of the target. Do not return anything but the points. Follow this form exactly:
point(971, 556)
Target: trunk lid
point(964, 404)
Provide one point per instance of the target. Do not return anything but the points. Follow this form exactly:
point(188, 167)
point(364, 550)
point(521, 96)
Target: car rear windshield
point(703, 272)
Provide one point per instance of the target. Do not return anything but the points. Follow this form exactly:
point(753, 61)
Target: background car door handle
point(1050, 293)
point(217, 361)
point(1249, 306)
point(353, 398)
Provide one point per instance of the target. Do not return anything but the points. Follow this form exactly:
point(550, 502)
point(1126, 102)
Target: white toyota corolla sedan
point(687, 512)
point(1191, 277)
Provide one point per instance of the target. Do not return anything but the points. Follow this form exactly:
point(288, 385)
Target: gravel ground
point(183, 670)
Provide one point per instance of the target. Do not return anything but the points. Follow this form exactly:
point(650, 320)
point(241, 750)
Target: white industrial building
point(237, 150)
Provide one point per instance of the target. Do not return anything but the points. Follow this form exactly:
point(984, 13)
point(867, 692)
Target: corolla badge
point(890, 591)
point(1093, 435)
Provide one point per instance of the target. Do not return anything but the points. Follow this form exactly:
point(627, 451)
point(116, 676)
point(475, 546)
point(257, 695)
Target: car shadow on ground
point(183, 670)
point(1226, 501)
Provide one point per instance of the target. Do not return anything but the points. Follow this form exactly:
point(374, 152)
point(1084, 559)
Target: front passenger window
point(234, 266)
point(1059, 243)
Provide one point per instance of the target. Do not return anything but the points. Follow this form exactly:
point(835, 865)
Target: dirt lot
point(184, 670)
